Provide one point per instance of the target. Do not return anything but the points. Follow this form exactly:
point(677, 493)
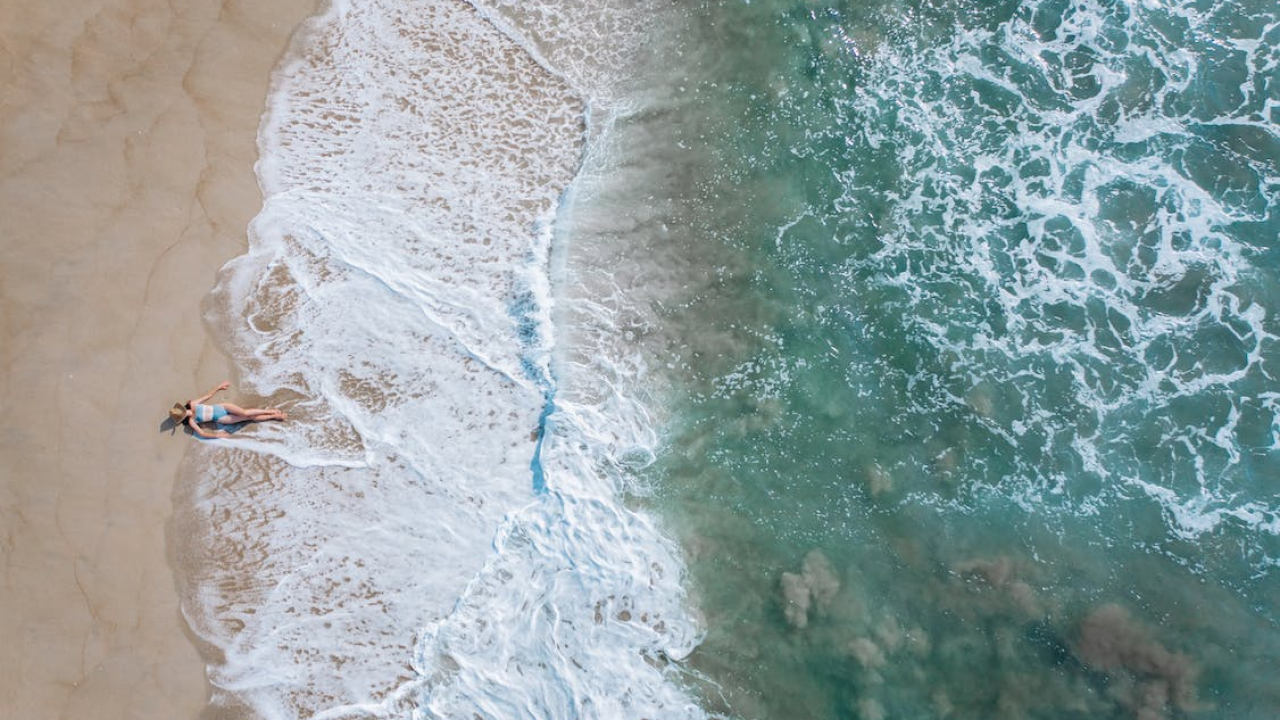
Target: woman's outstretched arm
point(223, 386)
point(195, 428)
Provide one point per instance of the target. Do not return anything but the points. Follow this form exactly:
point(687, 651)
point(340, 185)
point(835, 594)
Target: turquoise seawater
point(971, 368)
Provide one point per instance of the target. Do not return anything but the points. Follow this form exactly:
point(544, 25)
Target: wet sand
point(127, 141)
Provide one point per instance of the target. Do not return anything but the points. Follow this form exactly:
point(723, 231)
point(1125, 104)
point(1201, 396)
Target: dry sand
point(127, 139)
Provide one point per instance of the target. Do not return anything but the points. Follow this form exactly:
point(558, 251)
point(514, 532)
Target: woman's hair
point(178, 412)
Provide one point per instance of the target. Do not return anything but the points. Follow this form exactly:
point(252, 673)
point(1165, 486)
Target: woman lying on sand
point(194, 413)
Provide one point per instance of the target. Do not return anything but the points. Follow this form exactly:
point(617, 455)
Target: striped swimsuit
point(209, 413)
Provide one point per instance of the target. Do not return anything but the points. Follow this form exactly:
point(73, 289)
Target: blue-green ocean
point(969, 349)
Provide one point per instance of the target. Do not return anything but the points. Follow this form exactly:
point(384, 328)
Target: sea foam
point(1082, 179)
point(438, 529)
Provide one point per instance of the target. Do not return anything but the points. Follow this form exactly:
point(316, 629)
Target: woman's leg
point(254, 413)
point(233, 419)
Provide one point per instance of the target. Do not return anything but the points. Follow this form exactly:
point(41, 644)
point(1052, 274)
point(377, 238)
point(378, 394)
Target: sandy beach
point(127, 143)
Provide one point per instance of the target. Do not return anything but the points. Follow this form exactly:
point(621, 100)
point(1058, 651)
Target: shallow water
point(437, 530)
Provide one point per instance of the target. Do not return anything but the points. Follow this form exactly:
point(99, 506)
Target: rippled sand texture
point(127, 138)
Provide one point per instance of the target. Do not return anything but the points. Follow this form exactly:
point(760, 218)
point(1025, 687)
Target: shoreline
point(128, 136)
